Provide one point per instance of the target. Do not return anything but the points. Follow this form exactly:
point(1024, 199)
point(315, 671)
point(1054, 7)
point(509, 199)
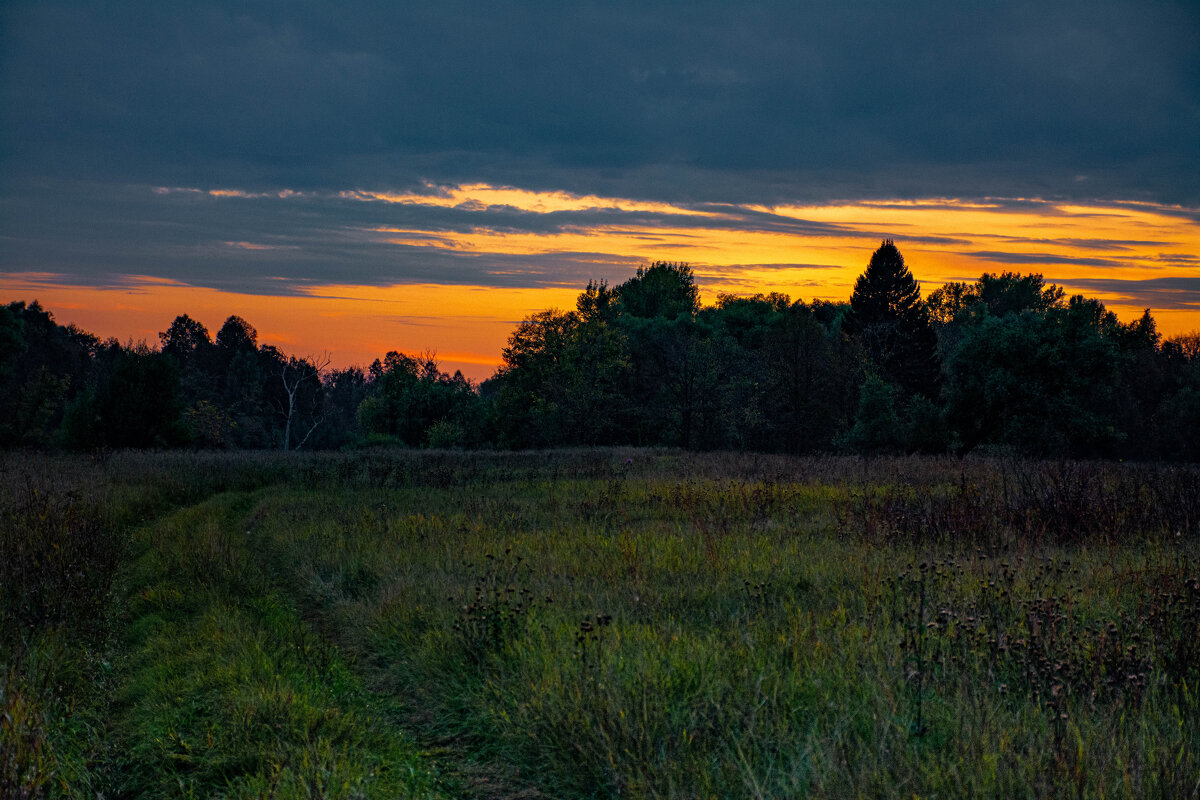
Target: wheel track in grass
point(459, 770)
point(225, 687)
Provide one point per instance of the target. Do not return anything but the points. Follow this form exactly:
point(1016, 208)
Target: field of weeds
point(599, 623)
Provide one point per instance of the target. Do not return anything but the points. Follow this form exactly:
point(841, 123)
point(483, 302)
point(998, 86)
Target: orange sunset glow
point(467, 324)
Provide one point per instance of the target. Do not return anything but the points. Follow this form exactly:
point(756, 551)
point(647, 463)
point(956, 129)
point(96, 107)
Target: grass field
point(597, 624)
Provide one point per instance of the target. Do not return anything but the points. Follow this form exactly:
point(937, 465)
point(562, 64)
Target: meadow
point(597, 623)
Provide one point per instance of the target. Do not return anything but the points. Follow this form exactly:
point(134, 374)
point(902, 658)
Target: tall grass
point(57, 565)
point(116, 639)
point(717, 636)
point(613, 623)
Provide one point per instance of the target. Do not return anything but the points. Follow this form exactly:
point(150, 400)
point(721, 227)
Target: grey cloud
point(1038, 258)
point(96, 233)
point(1085, 244)
point(706, 105)
point(194, 238)
point(784, 265)
point(1158, 293)
point(874, 98)
point(1177, 260)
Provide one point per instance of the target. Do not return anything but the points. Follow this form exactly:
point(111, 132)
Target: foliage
point(236, 335)
point(185, 339)
point(135, 401)
point(1006, 363)
point(877, 423)
point(344, 391)
point(12, 338)
point(43, 366)
point(298, 397)
point(995, 295)
point(410, 399)
point(561, 381)
point(1046, 383)
point(664, 289)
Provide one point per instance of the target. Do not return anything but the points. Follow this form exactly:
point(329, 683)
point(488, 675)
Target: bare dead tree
point(294, 374)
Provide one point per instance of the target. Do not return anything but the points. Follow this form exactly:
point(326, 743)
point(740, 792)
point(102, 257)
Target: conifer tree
point(891, 321)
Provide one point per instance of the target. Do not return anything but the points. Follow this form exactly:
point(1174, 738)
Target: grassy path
point(225, 691)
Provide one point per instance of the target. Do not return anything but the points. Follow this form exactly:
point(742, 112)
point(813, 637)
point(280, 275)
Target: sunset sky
point(354, 178)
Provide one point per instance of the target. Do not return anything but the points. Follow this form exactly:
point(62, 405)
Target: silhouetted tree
point(345, 390)
point(891, 322)
point(997, 295)
point(561, 381)
point(530, 384)
point(676, 374)
point(301, 405)
point(597, 302)
point(236, 336)
point(411, 401)
point(812, 379)
point(663, 289)
point(46, 366)
point(1177, 419)
point(244, 397)
point(951, 299)
point(135, 402)
point(1045, 384)
point(743, 409)
point(184, 338)
point(877, 426)
point(1025, 370)
point(1010, 293)
point(200, 376)
point(12, 339)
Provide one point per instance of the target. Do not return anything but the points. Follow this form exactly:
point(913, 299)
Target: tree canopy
point(1006, 364)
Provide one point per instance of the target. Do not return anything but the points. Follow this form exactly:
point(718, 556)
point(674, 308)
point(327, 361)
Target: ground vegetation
point(596, 623)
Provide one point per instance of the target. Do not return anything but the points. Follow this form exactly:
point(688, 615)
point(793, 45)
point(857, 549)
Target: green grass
point(227, 690)
point(755, 648)
point(573, 625)
point(200, 678)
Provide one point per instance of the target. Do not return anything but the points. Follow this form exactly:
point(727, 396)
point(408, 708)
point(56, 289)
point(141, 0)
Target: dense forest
point(1006, 364)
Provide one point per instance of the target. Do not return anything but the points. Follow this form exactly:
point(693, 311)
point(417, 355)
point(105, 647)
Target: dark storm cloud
point(323, 94)
point(1157, 293)
point(691, 103)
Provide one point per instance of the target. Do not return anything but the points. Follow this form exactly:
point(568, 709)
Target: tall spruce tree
point(888, 317)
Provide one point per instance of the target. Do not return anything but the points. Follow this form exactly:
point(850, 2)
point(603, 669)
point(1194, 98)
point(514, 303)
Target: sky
point(359, 177)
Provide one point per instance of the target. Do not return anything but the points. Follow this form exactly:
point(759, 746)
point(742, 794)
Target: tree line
point(1004, 364)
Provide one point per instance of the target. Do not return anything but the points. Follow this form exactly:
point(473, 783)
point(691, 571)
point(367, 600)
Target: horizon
point(356, 324)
